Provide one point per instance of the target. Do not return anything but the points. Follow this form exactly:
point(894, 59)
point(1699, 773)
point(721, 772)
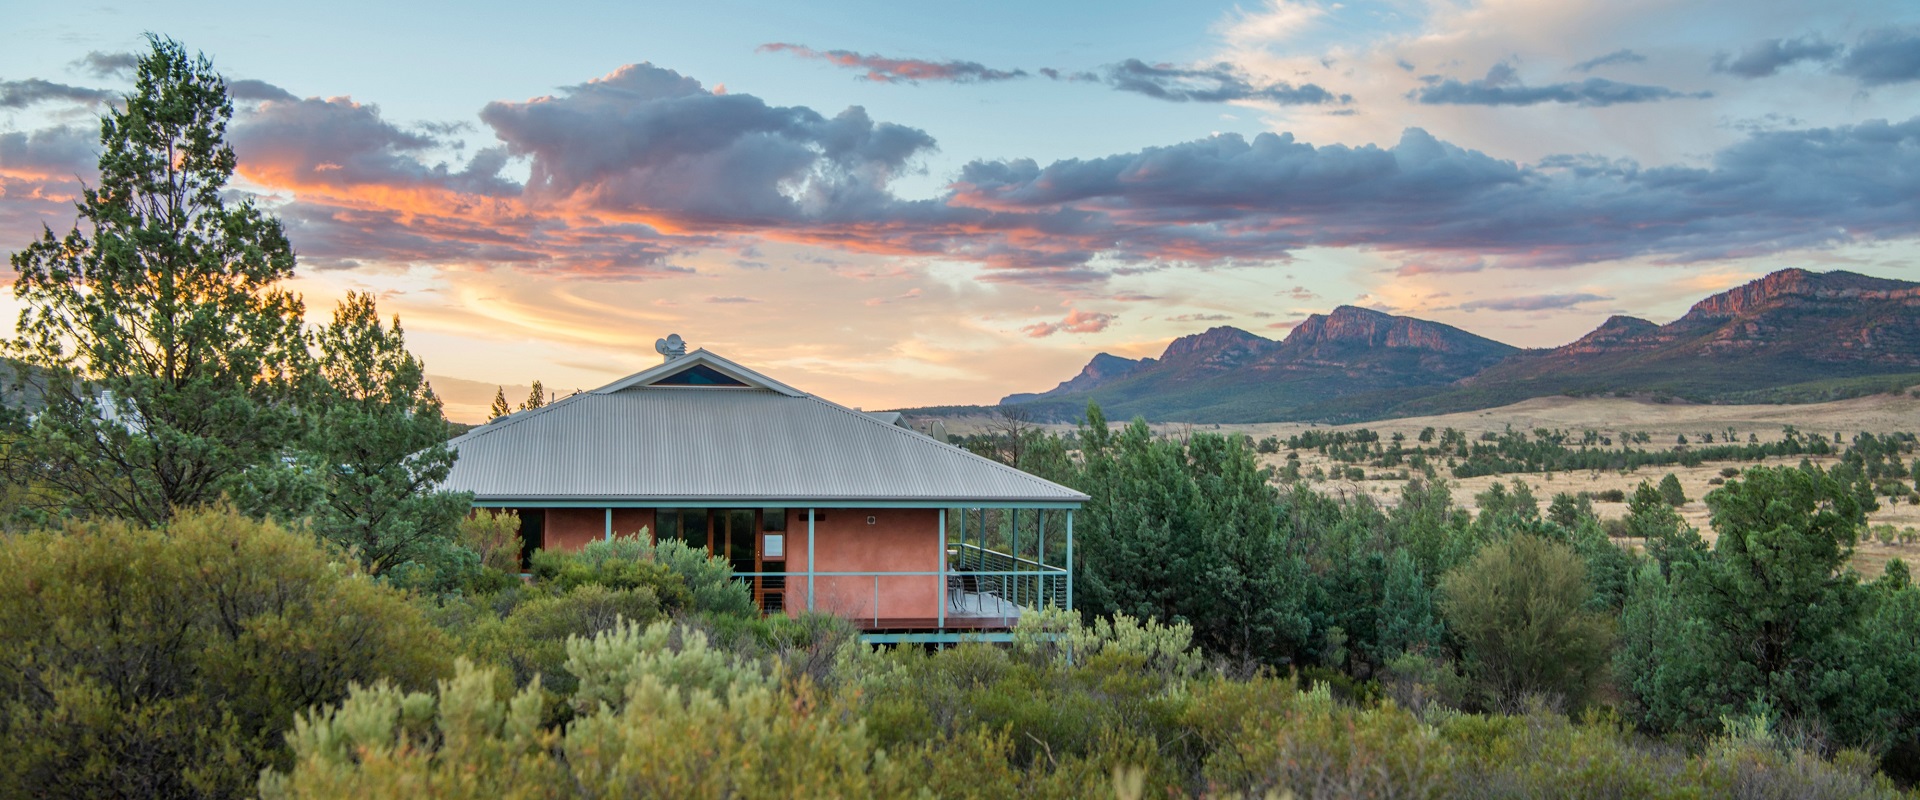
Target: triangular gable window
point(698, 375)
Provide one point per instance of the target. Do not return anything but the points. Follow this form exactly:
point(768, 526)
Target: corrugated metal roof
point(709, 444)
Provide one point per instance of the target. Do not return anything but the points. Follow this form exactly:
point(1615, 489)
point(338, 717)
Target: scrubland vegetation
point(232, 576)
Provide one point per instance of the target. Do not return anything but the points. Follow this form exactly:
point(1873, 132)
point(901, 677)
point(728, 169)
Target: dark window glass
point(743, 539)
point(773, 519)
point(698, 375)
point(693, 529)
point(666, 524)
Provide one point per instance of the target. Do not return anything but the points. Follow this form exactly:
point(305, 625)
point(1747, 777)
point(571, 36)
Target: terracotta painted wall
point(629, 521)
point(899, 539)
point(570, 529)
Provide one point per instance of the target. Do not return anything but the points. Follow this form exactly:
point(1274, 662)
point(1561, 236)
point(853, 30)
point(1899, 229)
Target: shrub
point(532, 640)
point(1519, 610)
point(620, 564)
point(665, 722)
point(1729, 472)
point(171, 662)
point(495, 535)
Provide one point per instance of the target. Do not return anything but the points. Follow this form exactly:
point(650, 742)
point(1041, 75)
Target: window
point(698, 375)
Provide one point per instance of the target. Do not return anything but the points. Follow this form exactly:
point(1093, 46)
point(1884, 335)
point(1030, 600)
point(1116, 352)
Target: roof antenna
point(671, 347)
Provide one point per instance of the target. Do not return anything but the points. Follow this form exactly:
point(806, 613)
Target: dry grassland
point(1663, 422)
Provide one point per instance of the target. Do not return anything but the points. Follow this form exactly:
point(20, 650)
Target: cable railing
point(967, 595)
point(1021, 581)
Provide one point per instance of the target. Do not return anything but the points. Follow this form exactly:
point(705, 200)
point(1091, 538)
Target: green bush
point(170, 663)
point(532, 640)
point(1520, 612)
point(685, 579)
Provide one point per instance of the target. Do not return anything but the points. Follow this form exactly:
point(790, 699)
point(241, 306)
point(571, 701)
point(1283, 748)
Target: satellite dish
point(672, 347)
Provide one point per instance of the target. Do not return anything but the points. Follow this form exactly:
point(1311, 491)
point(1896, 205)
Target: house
point(816, 505)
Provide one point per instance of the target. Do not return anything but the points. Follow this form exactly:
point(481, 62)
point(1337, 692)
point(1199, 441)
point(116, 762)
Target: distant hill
point(1793, 335)
point(1229, 375)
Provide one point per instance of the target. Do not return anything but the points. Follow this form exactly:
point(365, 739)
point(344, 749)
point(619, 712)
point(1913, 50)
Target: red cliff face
point(1221, 343)
point(1348, 325)
point(1789, 287)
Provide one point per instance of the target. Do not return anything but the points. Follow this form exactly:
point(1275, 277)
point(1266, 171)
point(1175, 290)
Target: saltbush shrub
point(137, 662)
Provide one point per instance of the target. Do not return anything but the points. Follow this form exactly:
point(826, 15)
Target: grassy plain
point(1664, 423)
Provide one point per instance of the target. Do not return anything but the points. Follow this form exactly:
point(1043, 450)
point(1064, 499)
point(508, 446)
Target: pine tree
point(1671, 491)
point(170, 350)
point(535, 398)
point(500, 407)
point(376, 431)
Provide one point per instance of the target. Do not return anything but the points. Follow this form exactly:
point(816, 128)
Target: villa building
point(816, 505)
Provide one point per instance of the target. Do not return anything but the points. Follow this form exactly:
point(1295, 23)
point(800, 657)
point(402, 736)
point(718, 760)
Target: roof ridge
point(921, 437)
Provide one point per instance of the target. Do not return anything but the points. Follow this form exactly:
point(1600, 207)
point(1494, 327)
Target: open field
point(1663, 422)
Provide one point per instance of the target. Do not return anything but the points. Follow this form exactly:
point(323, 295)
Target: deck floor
point(981, 605)
point(968, 611)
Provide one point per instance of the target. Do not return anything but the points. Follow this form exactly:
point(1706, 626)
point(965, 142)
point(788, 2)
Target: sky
point(906, 204)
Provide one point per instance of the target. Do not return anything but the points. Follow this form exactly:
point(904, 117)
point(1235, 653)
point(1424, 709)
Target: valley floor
point(1663, 422)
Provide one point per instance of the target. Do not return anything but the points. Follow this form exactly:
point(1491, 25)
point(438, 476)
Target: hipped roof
point(634, 441)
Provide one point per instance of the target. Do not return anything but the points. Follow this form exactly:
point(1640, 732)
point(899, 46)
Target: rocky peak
point(1616, 331)
point(1215, 342)
point(1361, 327)
point(1789, 286)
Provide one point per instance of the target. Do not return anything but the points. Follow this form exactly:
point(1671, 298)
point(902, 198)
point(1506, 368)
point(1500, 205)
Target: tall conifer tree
point(170, 348)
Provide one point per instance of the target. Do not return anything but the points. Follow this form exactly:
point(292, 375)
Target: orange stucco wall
point(570, 529)
point(629, 521)
point(901, 539)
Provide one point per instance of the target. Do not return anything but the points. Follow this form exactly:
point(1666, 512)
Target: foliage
point(1187, 532)
point(1773, 624)
point(166, 307)
point(1671, 491)
point(499, 408)
point(376, 436)
point(537, 398)
point(493, 534)
point(1520, 611)
point(170, 662)
point(682, 577)
point(1669, 539)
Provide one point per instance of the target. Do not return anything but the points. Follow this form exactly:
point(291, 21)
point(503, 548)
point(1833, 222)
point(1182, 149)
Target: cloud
point(1440, 264)
point(731, 299)
point(251, 89)
point(342, 145)
point(1610, 59)
point(1199, 318)
point(881, 69)
point(1770, 56)
point(1537, 302)
point(1218, 83)
point(1883, 56)
point(107, 65)
point(1299, 293)
point(626, 171)
point(655, 145)
point(1276, 21)
point(33, 91)
point(1076, 321)
point(1502, 87)
point(59, 153)
point(1227, 198)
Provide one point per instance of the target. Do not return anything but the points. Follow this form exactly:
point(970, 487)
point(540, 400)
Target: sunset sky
point(896, 204)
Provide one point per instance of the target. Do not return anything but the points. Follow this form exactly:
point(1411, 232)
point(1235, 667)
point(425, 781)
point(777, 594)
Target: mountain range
point(1792, 335)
